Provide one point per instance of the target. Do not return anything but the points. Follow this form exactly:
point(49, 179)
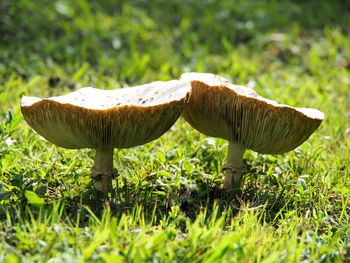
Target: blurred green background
point(135, 41)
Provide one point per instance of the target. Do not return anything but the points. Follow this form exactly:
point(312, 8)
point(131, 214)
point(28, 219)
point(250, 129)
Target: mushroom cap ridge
point(218, 108)
point(88, 119)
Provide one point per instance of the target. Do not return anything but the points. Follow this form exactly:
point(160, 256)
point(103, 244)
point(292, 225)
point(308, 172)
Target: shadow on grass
point(157, 203)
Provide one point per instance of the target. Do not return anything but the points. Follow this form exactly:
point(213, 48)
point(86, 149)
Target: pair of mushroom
point(122, 118)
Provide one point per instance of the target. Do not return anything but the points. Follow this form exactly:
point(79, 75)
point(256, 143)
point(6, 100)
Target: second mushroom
point(246, 120)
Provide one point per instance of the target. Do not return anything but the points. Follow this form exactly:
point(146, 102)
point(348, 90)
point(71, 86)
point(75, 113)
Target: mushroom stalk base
point(103, 171)
point(234, 166)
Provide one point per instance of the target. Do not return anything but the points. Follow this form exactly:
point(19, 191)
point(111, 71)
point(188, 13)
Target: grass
point(168, 205)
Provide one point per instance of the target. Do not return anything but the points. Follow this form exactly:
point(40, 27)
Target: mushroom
point(107, 119)
point(246, 120)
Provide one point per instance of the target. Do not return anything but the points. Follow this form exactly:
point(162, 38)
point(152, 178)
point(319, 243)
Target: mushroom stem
point(234, 166)
point(102, 172)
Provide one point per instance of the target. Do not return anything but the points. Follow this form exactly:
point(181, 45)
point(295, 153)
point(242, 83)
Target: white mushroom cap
point(121, 118)
point(238, 114)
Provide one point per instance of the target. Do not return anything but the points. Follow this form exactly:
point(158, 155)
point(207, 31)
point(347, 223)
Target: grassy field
point(167, 204)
